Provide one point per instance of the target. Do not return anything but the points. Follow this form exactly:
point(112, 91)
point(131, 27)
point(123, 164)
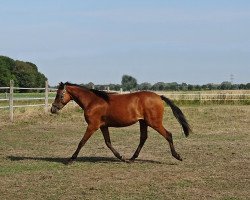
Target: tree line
point(24, 74)
point(129, 83)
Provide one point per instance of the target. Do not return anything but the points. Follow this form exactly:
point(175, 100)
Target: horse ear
point(61, 85)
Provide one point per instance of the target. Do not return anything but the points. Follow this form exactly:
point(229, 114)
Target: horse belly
point(124, 117)
point(119, 123)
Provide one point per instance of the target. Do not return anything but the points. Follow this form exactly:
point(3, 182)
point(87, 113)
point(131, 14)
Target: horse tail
point(178, 115)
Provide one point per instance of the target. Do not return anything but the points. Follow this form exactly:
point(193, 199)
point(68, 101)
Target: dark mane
point(102, 94)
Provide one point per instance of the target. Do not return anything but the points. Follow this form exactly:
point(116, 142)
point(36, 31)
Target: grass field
point(216, 158)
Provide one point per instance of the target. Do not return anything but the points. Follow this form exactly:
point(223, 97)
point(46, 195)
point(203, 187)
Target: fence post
point(46, 96)
point(11, 101)
point(121, 91)
point(200, 98)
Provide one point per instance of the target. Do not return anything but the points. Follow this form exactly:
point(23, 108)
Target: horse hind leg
point(143, 138)
point(168, 136)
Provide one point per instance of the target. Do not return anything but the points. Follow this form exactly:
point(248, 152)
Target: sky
point(82, 41)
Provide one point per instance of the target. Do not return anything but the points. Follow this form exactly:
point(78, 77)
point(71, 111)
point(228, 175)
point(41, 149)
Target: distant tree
point(226, 85)
point(40, 79)
point(167, 86)
point(24, 74)
point(242, 86)
point(209, 86)
point(6, 68)
point(184, 87)
point(204, 87)
point(212, 86)
point(115, 87)
point(158, 86)
point(128, 82)
point(90, 85)
point(5, 76)
point(101, 87)
point(145, 86)
point(174, 86)
point(197, 87)
point(234, 87)
point(190, 87)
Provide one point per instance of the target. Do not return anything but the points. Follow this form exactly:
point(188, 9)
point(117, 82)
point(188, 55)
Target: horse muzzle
point(54, 109)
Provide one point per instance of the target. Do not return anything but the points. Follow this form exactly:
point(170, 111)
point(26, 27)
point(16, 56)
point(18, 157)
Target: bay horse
point(103, 110)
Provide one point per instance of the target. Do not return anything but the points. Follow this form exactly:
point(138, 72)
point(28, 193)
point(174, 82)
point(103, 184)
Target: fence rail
point(208, 97)
point(9, 97)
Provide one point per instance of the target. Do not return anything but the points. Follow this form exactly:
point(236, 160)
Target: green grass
point(215, 157)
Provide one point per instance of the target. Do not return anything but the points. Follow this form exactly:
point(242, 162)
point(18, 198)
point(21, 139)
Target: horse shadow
point(86, 159)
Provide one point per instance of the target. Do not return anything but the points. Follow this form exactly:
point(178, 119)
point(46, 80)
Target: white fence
point(9, 97)
point(204, 96)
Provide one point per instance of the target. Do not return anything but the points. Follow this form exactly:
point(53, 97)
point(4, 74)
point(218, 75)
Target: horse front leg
point(105, 132)
point(89, 131)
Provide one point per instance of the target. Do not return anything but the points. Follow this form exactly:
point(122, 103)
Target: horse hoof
point(124, 159)
point(70, 161)
point(178, 157)
point(128, 161)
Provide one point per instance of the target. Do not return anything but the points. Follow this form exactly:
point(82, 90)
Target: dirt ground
point(216, 158)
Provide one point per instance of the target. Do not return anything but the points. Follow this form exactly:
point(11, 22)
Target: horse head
point(62, 98)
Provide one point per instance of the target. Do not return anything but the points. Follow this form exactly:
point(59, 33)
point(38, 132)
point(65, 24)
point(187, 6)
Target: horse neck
point(81, 96)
